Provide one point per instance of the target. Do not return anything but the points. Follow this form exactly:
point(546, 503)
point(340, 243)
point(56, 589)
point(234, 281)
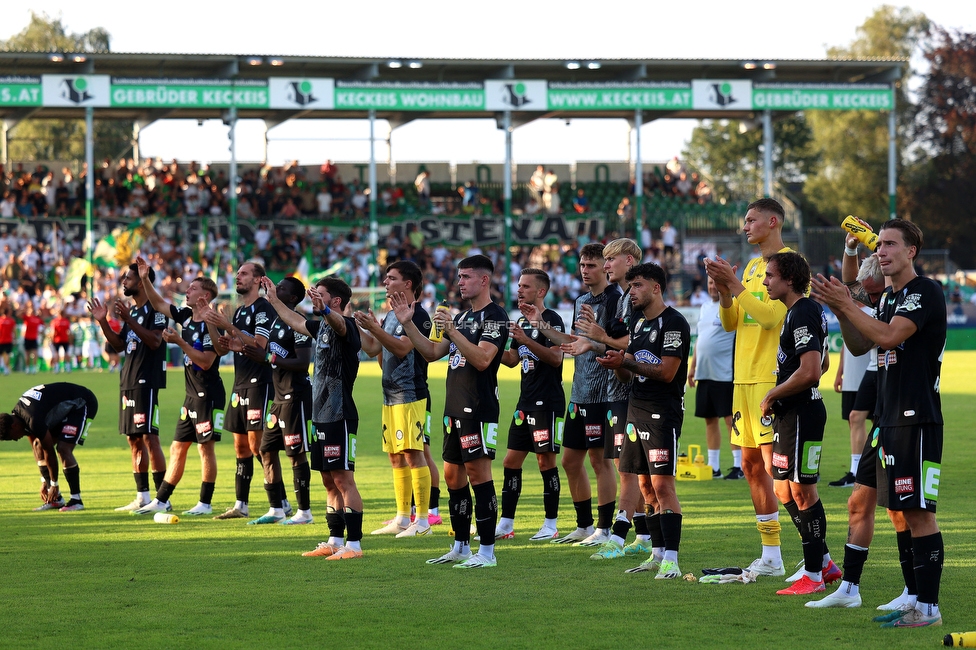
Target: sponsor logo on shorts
point(183, 412)
point(618, 440)
point(331, 451)
point(541, 435)
point(293, 439)
point(271, 420)
point(593, 430)
point(931, 475)
point(235, 399)
point(203, 428)
point(69, 430)
point(631, 433)
point(253, 414)
point(128, 403)
point(519, 418)
point(905, 485)
point(659, 455)
point(782, 461)
point(470, 441)
point(139, 419)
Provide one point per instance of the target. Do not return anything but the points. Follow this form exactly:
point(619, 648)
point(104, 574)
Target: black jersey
point(283, 342)
point(473, 394)
point(254, 319)
point(668, 335)
point(590, 379)
point(617, 391)
point(199, 382)
point(909, 375)
point(48, 404)
point(405, 380)
point(542, 384)
point(143, 367)
point(336, 368)
point(804, 330)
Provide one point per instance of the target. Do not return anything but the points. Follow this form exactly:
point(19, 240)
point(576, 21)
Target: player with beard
point(656, 364)
point(143, 375)
point(475, 340)
point(406, 403)
point(204, 392)
point(252, 391)
point(55, 417)
point(335, 418)
point(288, 425)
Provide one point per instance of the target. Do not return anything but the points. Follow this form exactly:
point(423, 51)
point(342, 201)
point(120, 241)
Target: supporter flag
point(118, 248)
point(77, 270)
point(304, 269)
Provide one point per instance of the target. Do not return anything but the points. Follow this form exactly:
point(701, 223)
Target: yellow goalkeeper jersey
point(757, 321)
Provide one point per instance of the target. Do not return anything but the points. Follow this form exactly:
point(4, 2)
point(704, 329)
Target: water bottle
point(864, 235)
point(165, 518)
point(436, 333)
point(960, 640)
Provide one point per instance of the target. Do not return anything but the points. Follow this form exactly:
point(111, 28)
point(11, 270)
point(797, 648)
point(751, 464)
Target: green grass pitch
point(103, 579)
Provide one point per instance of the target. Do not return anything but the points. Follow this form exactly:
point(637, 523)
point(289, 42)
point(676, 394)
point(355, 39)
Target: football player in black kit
point(475, 340)
point(799, 413)
point(335, 418)
point(143, 375)
point(252, 391)
point(909, 330)
point(656, 361)
point(288, 427)
point(204, 392)
point(55, 417)
point(537, 425)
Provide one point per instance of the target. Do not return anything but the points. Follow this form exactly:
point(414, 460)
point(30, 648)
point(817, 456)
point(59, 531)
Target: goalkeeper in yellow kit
point(757, 320)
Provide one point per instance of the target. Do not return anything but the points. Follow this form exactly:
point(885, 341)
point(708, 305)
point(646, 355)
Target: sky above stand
point(460, 29)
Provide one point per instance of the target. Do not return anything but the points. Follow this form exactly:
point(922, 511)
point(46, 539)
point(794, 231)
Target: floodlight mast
point(232, 199)
point(90, 185)
point(507, 177)
point(374, 276)
point(638, 180)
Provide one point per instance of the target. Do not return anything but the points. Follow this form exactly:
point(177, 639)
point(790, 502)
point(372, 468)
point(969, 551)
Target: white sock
point(550, 523)
point(276, 512)
point(826, 560)
point(434, 511)
point(461, 547)
point(848, 588)
point(737, 458)
point(144, 497)
point(303, 514)
point(770, 554)
point(671, 556)
point(713, 459)
point(402, 520)
point(354, 546)
point(814, 576)
point(658, 551)
point(422, 521)
point(855, 459)
point(486, 550)
point(240, 505)
point(335, 541)
point(506, 524)
point(929, 609)
point(617, 538)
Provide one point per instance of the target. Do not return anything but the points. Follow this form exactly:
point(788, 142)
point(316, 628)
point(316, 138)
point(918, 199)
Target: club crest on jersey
point(911, 303)
point(281, 334)
point(653, 336)
point(139, 320)
point(457, 361)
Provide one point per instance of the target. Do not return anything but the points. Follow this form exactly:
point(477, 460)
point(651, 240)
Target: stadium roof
point(147, 66)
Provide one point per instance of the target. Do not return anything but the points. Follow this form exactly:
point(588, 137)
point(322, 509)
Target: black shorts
point(650, 445)
point(63, 346)
point(139, 412)
point(197, 420)
point(334, 446)
point(912, 458)
point(847, 399)
point(247, 408)
point(30, 344)
point(540, 432)
point(468, 440)
point(6, 348)
point(713, 399)
point(867, 467)
point(109, 350)
point(288, 427)
point(584, 426)
point(798, 442)
point(867, 394)
point(616, 428)
point(73, 429)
